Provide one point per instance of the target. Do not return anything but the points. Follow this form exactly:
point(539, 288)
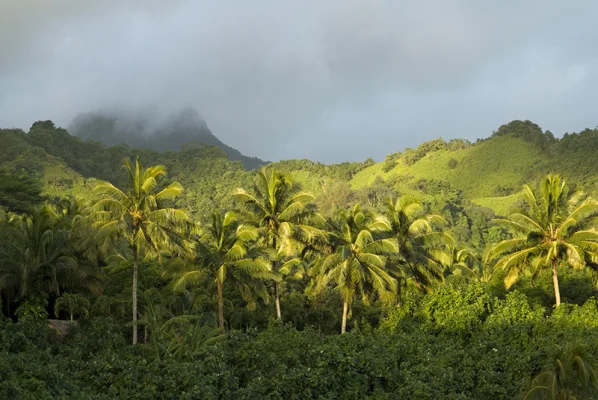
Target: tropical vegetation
point(455, 270)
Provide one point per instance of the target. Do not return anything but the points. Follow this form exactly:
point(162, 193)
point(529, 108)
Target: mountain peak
point(146, 128)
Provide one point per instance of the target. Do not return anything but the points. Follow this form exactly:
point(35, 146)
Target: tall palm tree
point(35, 255)
point(284, 214)
point(423, 245)
point(554, 226)
point(357, 265)
point(223, 250)
point(142, 215)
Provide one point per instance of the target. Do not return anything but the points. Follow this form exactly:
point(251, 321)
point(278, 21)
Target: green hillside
point(488, 173)
point(67, 165)
point(502, 163)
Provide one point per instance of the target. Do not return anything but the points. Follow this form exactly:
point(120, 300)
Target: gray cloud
point(332, 80)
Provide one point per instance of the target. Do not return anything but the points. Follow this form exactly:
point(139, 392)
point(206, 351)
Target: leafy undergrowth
point(459, 343)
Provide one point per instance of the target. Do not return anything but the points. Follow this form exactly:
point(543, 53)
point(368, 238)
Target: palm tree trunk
point(344, 325)
point(276, 295)
point(555, 280)
point(135, 268)
point(277, 300)
point(220, 305)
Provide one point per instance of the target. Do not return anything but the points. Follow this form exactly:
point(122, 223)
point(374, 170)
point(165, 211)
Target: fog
point(329, 80)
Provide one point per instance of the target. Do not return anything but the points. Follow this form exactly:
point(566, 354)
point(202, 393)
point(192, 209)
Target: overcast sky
point(329, 80)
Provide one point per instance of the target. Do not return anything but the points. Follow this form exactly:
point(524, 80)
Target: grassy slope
point(504, 161)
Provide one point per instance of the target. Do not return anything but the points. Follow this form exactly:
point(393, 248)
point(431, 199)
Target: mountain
point(457, 178)
point(147, 129)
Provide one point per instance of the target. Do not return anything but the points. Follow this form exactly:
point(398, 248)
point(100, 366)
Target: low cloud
point(332, 80)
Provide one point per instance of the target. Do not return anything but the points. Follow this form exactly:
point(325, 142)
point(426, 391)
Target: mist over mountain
point(150, 128)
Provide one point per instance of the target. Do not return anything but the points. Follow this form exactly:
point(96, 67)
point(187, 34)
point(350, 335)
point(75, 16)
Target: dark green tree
point(36, 258)
point(19, 192)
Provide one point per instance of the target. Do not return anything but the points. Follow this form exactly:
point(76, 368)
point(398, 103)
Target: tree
point(554, 226)
point(142, 215)
point(357, 263)
point(463, 261)
point(35, 255)
point(283, 213)
point(72, 303)
point(183, 337)
point(19, 192)
point(223, 250)
point(422, 245)
point(572, 375)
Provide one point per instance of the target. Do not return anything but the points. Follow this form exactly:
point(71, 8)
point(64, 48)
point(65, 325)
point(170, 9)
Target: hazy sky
point(329, 80)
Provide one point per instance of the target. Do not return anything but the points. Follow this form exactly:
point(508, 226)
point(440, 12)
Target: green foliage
point(356, 264)
point(141, 216)
point(32, 309)
point(19, 193)
point(37, 256)
point(284, 215)
point(411, 156)
point(528, 131)
point(389, 163)
point(556, 226)
point(457, 310)
point(572, 376)
point(453, 331)
point(223, 250)
point(72, 303)
point(422, 244)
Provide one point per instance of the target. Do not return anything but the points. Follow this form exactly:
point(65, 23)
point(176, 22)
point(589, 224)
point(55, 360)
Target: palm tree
point(572, 375)
point(283, 213)
point(223, 250)
point(184, 337)
point(357, 263)
point(554, 226)
point(141, 214)
point(422, 245)
point(72, 303)
point(463, 261)
point(35, 255)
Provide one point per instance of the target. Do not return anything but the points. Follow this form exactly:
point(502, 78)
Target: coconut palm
point(464, 262)
point(284, 214)
point(35, 255)
point(571, 376)
point(555, 226)
point(223, 250)
point(183, 337)
point(356, 264)
point(142, 215)
point(423, 245)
